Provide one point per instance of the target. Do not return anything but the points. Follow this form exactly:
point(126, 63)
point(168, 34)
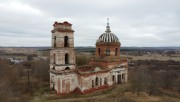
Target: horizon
point(95, 46)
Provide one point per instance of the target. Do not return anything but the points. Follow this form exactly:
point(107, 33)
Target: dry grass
point(118, 94)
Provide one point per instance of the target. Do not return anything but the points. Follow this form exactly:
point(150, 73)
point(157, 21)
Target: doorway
point(119, 79)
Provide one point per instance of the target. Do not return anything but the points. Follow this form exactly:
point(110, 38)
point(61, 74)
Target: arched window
point(122, 76)
point(66, 41)
point(116, 52)
point(66, 58)
point(113, 78)
point(99, 51)
point(97, 81)
point(107, 52)
point(105, 81)
point(54, 58)
point(54, 41)
point(100, 81)
point(67, 68)
point(119, 79)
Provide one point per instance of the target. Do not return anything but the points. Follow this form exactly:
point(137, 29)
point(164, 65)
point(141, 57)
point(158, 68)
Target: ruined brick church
point(105, 69)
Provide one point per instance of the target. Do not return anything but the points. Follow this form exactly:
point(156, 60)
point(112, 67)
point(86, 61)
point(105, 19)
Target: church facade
point(104, 70)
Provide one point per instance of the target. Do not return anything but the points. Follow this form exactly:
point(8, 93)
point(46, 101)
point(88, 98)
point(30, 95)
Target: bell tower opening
point(66, 58)
point(66, 44)
point(54, 60)
point(54, 41)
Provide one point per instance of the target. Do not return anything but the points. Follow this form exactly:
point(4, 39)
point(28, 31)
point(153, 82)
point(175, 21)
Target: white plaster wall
point(87, 81)
point(119, 71)
point(72, 78)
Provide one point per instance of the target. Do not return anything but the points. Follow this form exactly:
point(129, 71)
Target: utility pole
point(27, 65)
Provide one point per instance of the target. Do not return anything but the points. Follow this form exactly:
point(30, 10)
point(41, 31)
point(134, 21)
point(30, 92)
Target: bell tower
point(62, 59)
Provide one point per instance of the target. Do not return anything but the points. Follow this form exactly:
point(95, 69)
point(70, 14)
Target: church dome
point(108, 36)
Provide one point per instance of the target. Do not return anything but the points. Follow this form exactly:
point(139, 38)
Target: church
point(104, 70)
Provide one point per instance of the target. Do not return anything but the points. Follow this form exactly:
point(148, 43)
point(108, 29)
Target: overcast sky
point(142, 23)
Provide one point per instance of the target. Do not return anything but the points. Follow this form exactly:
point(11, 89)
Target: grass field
point(119, 93)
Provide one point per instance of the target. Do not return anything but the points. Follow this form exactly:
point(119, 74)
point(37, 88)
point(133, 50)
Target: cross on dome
point(108, 30)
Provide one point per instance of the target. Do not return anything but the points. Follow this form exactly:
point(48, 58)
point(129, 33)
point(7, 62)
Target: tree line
point(14, 79)
point(153, 76)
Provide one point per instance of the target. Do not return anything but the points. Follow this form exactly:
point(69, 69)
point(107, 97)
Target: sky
point(141, 23)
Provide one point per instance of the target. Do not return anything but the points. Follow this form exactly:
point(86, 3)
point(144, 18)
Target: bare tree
point(137, 80)
point(81, 60)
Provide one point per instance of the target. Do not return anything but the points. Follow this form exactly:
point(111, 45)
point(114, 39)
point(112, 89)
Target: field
point(120, 93)
point(175, 57)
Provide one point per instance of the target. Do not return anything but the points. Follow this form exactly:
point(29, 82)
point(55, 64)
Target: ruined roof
point(85, 68)
point(62, 30)
point(89, 69)
point(64, 23)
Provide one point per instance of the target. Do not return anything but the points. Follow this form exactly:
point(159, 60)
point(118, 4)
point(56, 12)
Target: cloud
point(19, 8)
point(135, 22)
